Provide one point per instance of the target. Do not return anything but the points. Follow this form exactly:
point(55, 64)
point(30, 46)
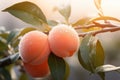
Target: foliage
point(59, 68)
point(90, 54)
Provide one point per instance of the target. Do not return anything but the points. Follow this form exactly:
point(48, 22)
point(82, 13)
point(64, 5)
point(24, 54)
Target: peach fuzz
point(37, 71)
point(34, 47)
point(63, 40)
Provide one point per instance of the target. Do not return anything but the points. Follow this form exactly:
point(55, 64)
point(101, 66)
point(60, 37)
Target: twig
point(5, 61)
point(95, 24)
point(9, 60)
point(100, 31)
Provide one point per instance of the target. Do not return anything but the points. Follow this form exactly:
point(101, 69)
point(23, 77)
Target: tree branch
point(9, 60)
point(100, 31)
point(5, 61)
point(96, 24)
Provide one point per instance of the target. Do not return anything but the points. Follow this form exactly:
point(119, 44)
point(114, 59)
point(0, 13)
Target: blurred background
point(80, 9)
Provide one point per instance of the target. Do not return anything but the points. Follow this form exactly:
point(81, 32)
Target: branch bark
point(100, 31)
point(106, 27)
point(95, 24)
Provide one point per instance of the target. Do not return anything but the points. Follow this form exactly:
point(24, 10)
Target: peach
point(63, 40)
point(37, 71)
point(34, 47)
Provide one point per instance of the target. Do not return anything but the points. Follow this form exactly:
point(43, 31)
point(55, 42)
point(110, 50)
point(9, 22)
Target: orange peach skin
point(37, 71)
point(34, 47)
point(63, 40)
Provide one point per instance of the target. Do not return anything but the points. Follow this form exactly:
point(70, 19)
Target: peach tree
point(41, 50)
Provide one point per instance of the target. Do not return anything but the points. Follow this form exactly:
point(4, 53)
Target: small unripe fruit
point(34, 47)
point(63, 40)
point(37, 71)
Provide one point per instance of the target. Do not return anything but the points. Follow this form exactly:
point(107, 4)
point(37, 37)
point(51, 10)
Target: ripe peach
point(63, 40)
point(34, 47)
point(37, 71)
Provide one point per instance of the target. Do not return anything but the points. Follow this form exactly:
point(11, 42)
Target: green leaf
point(25, 30)
point(52, 22)
point(23, 76)
point(84, 65)
point(96, 53)
point(103, 18)
point(106, 68)
point(27, 12)
point(83, 53)
point(4, 74)
point(58, 67)
point(91, 53)
point(4, 35)
point(65, 10)
point(82, 21)
point(3, 46)
point(99, 56)
point(67, 71)
point(11, 36)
